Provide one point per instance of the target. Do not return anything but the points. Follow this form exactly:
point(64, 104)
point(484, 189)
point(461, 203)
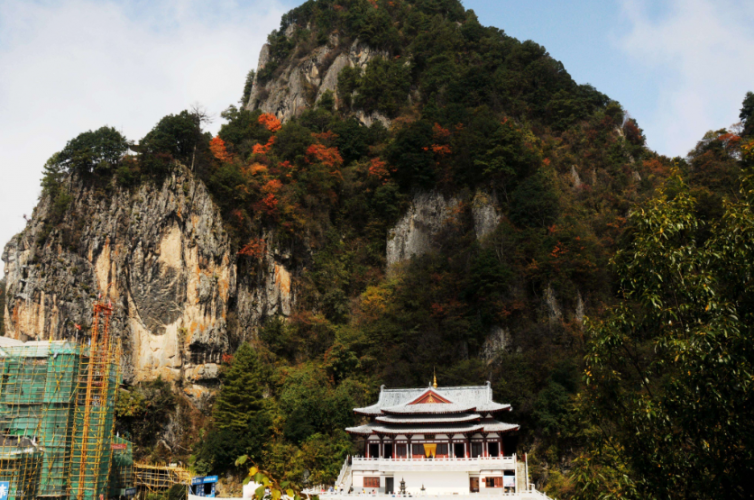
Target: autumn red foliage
point(440, 133)
point(326, 137)
point(329, 156)
point(379, 169)
point(272, 186)
point(255, 248)
point(217, 146)
point(259, 149)
point(441, 149)
point(270, 122)
point(729, 140)
point(270, 203)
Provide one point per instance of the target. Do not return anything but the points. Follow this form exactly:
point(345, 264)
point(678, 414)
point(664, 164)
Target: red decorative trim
point(430, 397)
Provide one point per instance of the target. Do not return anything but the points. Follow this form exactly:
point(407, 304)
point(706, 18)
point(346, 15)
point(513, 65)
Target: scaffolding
point(94, 417)
point(36, 409)
point(57, 413)
point(122, 470)
point(156, 477)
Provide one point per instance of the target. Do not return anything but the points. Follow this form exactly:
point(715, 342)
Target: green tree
point(175, 136)
point(384, 86)
point(240, 397)
point(534, 202)
point(411, 155)
point(669, 371)
point(96, 151)
point(241, 423)
point(243, 130)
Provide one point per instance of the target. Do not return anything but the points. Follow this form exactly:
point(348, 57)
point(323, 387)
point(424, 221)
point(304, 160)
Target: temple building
point(434, 441)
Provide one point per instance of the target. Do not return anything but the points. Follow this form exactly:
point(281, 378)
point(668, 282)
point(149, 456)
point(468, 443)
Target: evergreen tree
point(241, 423)
point(240, 398)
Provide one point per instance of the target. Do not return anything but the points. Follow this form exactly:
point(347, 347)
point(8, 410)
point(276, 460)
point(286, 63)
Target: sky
point(680, 67)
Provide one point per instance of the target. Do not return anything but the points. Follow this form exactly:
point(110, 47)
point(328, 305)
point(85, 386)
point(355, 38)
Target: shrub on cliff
point(144, 411)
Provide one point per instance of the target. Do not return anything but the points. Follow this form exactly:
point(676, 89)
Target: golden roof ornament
point(434, 376)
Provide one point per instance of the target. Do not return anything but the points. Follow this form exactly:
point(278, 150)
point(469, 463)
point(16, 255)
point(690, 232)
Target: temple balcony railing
point(471, 464)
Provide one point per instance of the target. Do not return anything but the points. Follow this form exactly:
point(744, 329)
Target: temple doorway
point(389, 485)
point(388, 452)
point(459, 450)
point(474, 484)
point(374, 450)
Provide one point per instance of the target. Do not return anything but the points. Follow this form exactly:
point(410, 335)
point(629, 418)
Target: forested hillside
point(536, 302)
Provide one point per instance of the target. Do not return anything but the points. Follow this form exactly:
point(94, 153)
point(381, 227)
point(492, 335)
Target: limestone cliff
point(416, 233)
point(300, 80)
point(162, 256)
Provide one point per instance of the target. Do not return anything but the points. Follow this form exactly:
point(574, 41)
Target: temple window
point(371, 482)
point(494, 482)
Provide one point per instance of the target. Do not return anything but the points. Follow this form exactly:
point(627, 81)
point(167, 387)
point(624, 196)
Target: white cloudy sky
point(681, 67)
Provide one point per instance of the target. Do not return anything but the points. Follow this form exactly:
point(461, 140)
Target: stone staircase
point(344, 478)
point(521, 478)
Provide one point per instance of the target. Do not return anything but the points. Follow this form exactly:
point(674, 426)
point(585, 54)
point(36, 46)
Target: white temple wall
point(445, 482)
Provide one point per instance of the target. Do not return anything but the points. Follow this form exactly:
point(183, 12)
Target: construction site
point(57, 419)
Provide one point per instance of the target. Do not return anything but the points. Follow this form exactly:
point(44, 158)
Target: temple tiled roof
point(460, 399)
point(428, 419)
point(465, 428)
point(427, 409)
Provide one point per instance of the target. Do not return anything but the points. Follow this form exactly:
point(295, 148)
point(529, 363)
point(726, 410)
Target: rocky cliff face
point(164, 260)
point(429, 214)
point(415, 232)
point(301, 80)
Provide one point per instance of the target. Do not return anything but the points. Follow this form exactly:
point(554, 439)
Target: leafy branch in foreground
point(269, 487)
point(670, 371)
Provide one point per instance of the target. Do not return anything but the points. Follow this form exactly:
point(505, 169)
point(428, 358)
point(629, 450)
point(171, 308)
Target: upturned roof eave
point(398, 432)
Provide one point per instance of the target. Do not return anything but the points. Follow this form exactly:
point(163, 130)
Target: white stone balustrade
point(470, 464)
